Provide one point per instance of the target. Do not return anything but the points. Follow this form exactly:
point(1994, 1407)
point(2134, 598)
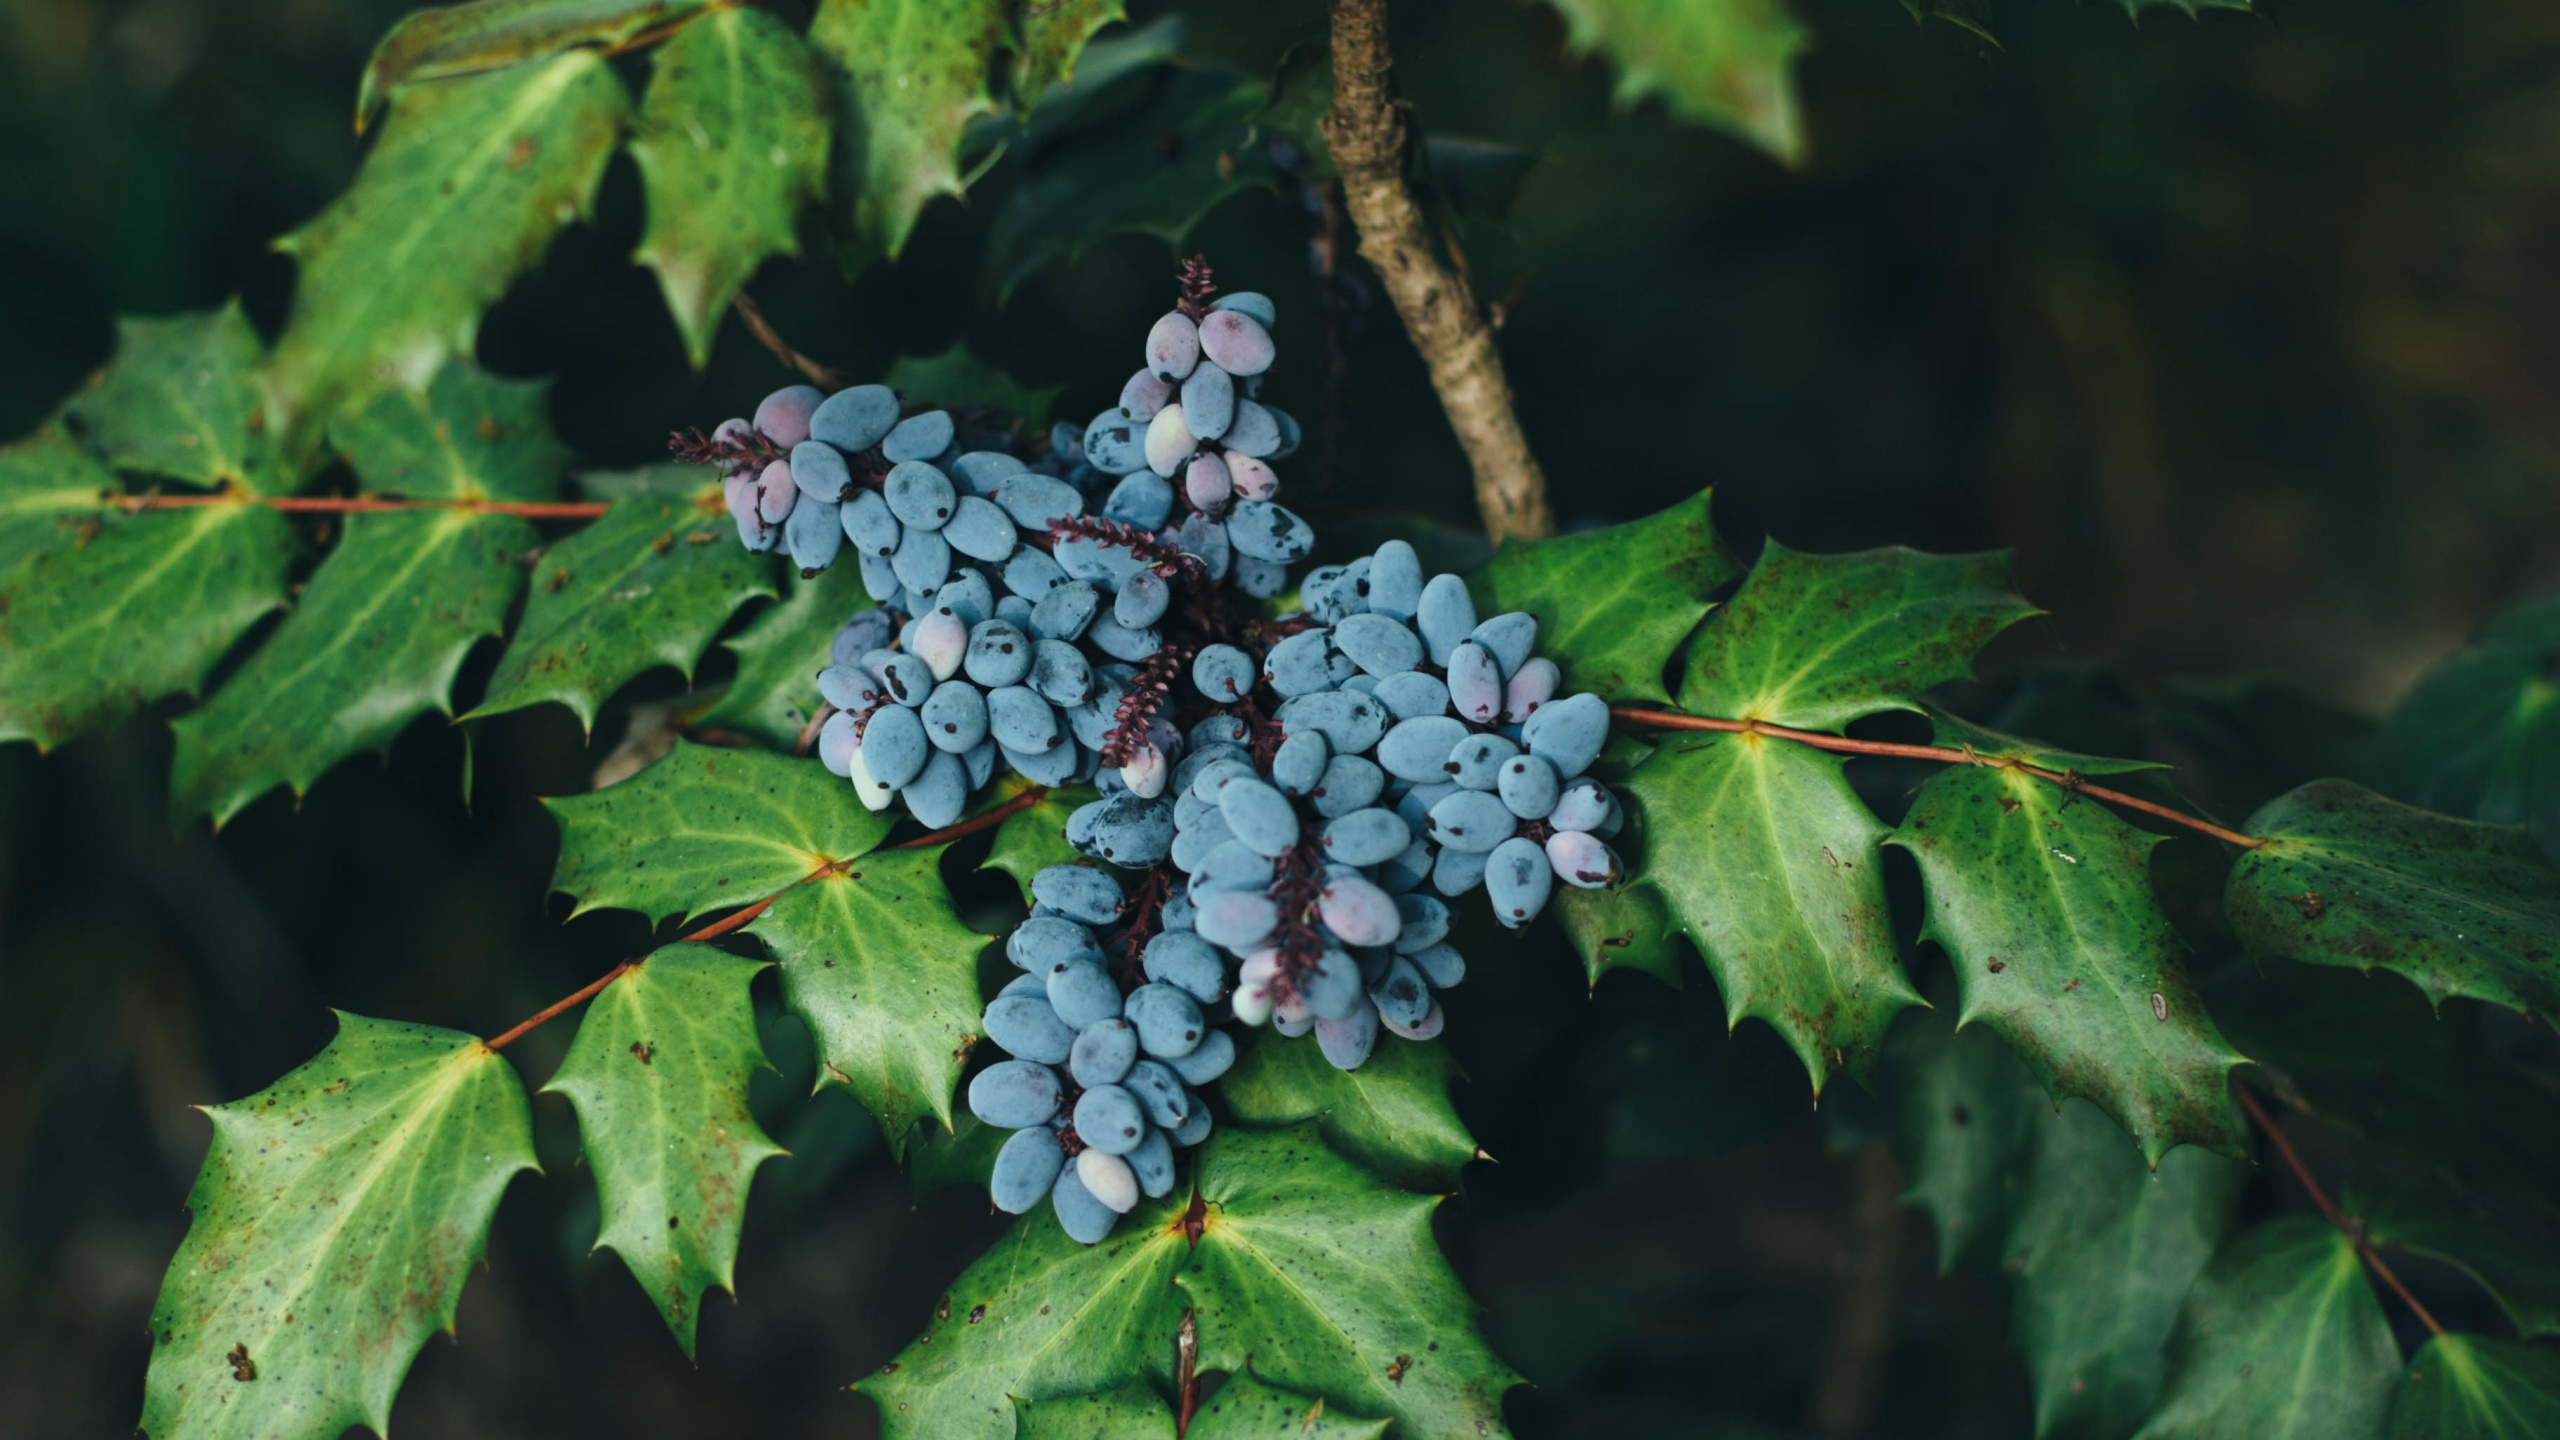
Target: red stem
point(2352, 1229)
point(1665, 720)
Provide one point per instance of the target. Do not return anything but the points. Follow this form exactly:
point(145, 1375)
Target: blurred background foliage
point(2242, 329)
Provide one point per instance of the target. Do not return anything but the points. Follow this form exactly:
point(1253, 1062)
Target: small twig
point(1365, 130)
point(809, 732)
point(552, 1011)
point(2352, 1229)
point(1186, 1352)
point(361, 504)
point(827, 377)
point(1665, 720)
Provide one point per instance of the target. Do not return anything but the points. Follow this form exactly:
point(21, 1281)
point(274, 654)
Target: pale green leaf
point(648, 584)
point(877, 965)
point(2477, 1387)
point(658, 1073)
point(1050, 38)
point(53, 496)
point(1726, 63)
point(1613, 604)
point(1393, 1114)
point(912, 74)
point(461, 194)
point(732, 146)
point(180, 401)
point(780, 653)
point(336, 1217)
point(2282, 1339)
point(705, 828)
point(453, 40)
point(1125, 1412)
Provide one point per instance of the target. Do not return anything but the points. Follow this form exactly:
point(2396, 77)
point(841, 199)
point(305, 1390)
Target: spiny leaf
point(964, 1155)
point(658, 1073)
point(462, 193)
point(1612, 605)
point(2347, 877)
point(1816, 641)
point(2523, 1277)
point(1050, 36)
point(1964, 1123)
point(1243, 1409)
point(1393, 1114)
point(958, 377)
point(386, 621)
point(1032, 839)
point(2477, 1387)
point(1124, 1412)
point(2480, 735)
point(885, 976)
point(780, 653)
point(1625, 927)
point(1724, 63)
point(1765, 858)
point(913, 74)
point(2281, 1339)
point(705, 828)
point(138, 608)
point(1324, 1277)
point(441, 43)
point(732, 145)
point(2102, 1255)
point(335, 1220)
point(648, 584)
point(2043, 902)
point(1188, 142)
point(52, 496)
point(1114, 76)
point(180, 400)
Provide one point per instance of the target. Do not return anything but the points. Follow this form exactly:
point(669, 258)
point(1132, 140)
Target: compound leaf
point(2281, 1339)
point(335, 1220)
point(137, 607)
point(1816, 641)
point(387, 619)
point(180, 401)
point(1725, 63)
point(658, 1073)
point(1765, 858)
point(707, 827)
point(913, 75)
point(2477, 1387)
point(463, 192)
point(780, 653)
point(1393, 1114)
point(877, 965)
point(648, 584)
point(1613, 604)
point(2042, 900)
point(732, 145)
point(451, 40)
point(2349, 878)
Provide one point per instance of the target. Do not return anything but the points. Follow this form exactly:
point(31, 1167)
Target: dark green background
point(2245, 332)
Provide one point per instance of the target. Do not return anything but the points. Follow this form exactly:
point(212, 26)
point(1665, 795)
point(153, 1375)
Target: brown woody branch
point(825, 377)
point(1366, 132)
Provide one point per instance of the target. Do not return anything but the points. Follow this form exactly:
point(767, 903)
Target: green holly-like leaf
point(335, 1220)
point(1243, 1409)
point(2480, 735)
point(658, 1073)
point(53, 496)
point(1816, 641)
point(2042, 900)
point(913, 74)
point(135, 609)
point(958, 377)
point(2281, 1339)
point(453, 40)
point(964, 1155)
point(1114, 76)
point(2346, 877)
point(386, 621)
point(1050, 37)
point(2103, 1252)
point(1612, 605)
point(1726, 63)
point(1766, 859)
point(1964, 1122)
point(1324, 1277)
point(1625, 927)
point(1393, 1114)
point(2477, 1387)
point(461, 194)
point(705, 828)
point(732, 145)
point(180, 401)
point(1186, 143)
point(780, 653)
point(648, 584)
point(1033, 838)
point(2523, 1277)
point(885, 976)
point(1972, 15)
